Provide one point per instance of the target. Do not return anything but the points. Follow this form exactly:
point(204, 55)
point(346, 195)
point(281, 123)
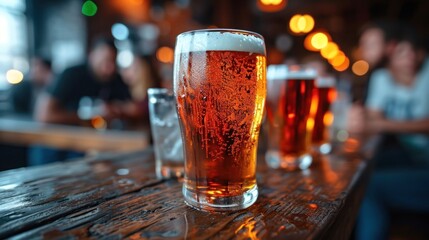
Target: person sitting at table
point(397, 107)
point(375, 44)
point(97, 79)
point(23, 96)
point(140, 76)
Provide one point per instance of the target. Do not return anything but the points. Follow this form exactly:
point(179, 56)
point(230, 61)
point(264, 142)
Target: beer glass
point(324, 95)
point(220, 87)
point(289, 102)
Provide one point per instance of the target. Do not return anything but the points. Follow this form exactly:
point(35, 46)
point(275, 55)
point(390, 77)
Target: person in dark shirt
point(96, 79)
point(23, 95)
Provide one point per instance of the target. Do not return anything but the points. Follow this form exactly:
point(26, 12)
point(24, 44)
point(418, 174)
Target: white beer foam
point(324, 82)
point(283, 72)
point(219, 41)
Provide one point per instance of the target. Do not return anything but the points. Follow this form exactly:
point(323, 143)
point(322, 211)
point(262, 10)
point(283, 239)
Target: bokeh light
point(319, 40)
point(165, 54)
point(89, 8)
point(360, 67)
point(284, 42)
point(125, 58)
point(330, 51)
point(328, 119)
point(98, 122)
point(307, 43)
point(14, 76)
point(338, 59)
point(343, 66)
point(120, 31)
point(271, 5)
point(301, 23)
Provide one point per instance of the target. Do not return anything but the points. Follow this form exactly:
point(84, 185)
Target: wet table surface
point(118, 196)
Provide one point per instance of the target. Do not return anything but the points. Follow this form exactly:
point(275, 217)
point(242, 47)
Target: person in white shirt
point(398, 107)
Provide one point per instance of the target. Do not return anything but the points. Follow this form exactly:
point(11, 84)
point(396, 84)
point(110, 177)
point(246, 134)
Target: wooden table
point(118, 196)
point(25, 132)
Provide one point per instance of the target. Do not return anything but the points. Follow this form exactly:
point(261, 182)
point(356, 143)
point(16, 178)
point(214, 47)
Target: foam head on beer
point(219, 41)
point(282, 72)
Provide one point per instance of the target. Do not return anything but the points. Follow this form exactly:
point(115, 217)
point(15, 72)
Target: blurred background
point(63, 30)
point(55, 35)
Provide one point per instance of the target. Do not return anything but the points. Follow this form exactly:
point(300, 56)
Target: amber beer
point(289, 101)
point(220, 88)
point(324, 95)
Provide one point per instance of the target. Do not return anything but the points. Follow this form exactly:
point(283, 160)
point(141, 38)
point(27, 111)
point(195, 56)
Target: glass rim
point(157, 90)
point(230, 30)
point(277, 72)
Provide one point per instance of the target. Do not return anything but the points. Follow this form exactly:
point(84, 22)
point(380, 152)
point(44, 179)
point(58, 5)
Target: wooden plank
point(92, 200)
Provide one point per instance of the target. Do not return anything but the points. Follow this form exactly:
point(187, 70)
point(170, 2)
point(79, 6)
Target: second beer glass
point(289, 103)
point(220, 87)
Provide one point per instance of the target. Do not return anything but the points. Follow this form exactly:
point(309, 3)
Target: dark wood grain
point(119, 197)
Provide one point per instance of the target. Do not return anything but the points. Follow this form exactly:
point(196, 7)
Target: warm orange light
point(343, 66)
point(307, 43)
point(98, 122)
point(14, 76)
point(319, 40)
point(271, 2)
point(293, 23)
point(330, 51)
point(338, 59)
point(332, 95)
point(271, 5)
point(328, 119)
point(301, 23)
point(309, 23)
point(360, 67)
point(310, 124)
point(313, 111)
point(165, 54)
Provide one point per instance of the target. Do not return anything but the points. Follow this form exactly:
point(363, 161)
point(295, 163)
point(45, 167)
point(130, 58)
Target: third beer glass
point(324, 95)
point(220, 87)
point(289, 103)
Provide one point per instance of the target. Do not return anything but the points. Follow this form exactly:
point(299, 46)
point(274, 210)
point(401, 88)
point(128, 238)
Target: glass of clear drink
point(165, 129)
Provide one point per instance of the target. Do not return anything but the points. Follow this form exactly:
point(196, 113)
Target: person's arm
point(378, 123)
point(50, 111)
point(50, 106)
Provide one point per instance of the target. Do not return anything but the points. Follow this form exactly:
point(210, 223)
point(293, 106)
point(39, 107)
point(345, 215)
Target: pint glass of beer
point(220, 87)
point(289, 102)
point(324, 95)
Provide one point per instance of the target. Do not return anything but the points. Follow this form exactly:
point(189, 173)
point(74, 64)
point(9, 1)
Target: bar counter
point(118, 196)
point(25, 132)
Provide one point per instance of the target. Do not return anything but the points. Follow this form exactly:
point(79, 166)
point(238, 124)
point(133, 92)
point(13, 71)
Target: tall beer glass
point(220, 87)
point(289, 102)
point(324, 95)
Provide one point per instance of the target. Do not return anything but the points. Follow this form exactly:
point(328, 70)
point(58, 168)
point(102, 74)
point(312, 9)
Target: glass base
point(170, 172)
point(290, 162)
point(324, 148)
point(221, 204)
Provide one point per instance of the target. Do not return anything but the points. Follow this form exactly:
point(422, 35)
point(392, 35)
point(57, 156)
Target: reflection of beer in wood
point(287, 115)
point(220, 99)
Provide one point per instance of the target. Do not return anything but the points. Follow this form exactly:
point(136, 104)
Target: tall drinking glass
point(220, 87)
point(289, 103)
point(324, 95)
